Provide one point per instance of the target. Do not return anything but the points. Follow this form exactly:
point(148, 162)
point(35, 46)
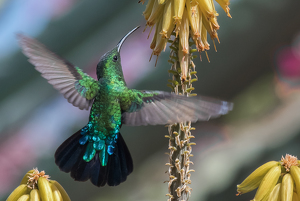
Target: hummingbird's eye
point(115, 58)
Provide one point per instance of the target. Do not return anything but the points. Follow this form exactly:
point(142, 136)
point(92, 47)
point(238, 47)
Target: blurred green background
point(257, 67)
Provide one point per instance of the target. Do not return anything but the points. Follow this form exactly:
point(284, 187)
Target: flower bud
point(295, 172)
point(255, 178)
point(275, 194)
point(268, 183)
point(286, 193)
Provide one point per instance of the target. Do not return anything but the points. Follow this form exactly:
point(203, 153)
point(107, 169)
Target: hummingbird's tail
point(69, 158)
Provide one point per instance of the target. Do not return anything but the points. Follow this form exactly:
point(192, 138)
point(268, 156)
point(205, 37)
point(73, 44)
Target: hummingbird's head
point(110, 63)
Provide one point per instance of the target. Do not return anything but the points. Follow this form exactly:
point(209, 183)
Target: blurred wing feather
point(157, 107)
point(77, 87)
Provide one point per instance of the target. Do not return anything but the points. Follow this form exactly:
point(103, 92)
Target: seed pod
point(184, 34)
point(255, 178)
point(268, 183)
point(287, 185)
point(167, 23)
point(295, 172)
point(224, 4)
point(275, 194)
point(148, 9)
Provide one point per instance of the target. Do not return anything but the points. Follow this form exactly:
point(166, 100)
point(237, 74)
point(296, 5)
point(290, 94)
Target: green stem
point(180, 134)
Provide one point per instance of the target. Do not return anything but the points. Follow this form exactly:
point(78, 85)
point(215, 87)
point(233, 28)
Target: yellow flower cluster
point(276, 181)
point(197, 16)
point(36, 186)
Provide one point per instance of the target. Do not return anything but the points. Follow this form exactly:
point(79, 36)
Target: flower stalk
point(182, 23)
point(180, 146)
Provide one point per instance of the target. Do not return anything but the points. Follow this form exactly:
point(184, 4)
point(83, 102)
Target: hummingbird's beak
point(124, 38)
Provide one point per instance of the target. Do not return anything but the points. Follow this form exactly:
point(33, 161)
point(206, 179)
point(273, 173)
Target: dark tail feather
point(69, 158)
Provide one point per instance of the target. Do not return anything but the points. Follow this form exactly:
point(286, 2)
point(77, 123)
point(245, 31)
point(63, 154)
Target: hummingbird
point(98, 151)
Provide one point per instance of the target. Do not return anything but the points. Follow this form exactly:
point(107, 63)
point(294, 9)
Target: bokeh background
point(257, 67)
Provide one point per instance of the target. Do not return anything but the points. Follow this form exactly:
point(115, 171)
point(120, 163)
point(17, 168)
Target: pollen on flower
point(33, 178)
point(289, 161)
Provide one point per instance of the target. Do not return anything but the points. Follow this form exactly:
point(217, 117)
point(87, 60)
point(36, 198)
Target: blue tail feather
point(69, 158)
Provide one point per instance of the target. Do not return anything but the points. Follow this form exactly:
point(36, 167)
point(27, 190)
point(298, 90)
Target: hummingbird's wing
point(158, 107)
point(77, 87)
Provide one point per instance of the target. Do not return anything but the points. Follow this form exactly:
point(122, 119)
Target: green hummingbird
point(98, 151)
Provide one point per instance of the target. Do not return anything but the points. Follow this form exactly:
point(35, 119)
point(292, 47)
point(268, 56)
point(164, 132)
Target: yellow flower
point(181, 15)
point(36, 186)
point(275, 181)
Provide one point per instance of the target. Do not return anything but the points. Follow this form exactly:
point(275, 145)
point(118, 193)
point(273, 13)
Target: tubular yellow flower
point(148, 9)
point(36, 186)
point(268, 183)
point(295, 172)
point(155, 13)
point(184, 34)
point(208, 26)
point(255, 178)
point(275, 194)
point(285, 173)
point(204, 38)
point(286, 193)
point(167, 23)
point(207, 8)
point(184, 63)
point(171, 12)
point(224, 4)
point(178, 12)
point(160, 41)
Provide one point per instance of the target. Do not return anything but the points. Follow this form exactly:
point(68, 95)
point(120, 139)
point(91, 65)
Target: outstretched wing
point(77, 87)
point(157, 107)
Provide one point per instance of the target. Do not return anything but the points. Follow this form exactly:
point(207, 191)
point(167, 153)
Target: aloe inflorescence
point(36, 186)
point(275, 180)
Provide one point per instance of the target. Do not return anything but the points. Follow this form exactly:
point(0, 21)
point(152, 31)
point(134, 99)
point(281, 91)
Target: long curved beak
point(124, 38)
